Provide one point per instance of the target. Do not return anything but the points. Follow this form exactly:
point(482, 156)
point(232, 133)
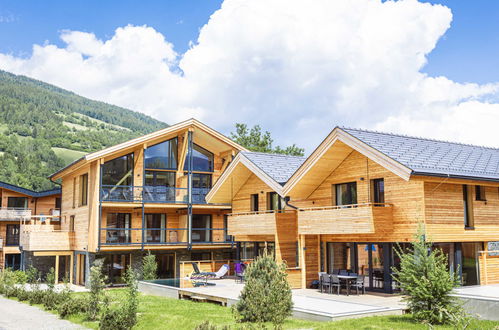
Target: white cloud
point(298, 68)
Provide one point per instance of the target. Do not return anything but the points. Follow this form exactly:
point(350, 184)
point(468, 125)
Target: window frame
point(336, 195)
point(17, 198)
point(212, 163)
point(468, 219)
point(83, 190)
point(254, 203)
point(480, 194)
point(376, 193)
point(9, 236)
point(170, 152)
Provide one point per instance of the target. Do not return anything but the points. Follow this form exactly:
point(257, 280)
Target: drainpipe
point(286, 201)
point(189, 191)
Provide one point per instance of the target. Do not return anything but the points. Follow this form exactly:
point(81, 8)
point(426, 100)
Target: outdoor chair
point(320, 277)
point(239, 269)
point(359, 284)
point(325, 282)
point(335, 283)
point(209, 275)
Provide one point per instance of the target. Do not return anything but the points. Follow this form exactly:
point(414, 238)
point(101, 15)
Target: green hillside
point(43, 128)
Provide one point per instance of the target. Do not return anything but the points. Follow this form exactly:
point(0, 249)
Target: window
point(378, 190)
point(155, 224)
point(346, 193)
point(201, 184)
point(12, 237)
point(72, 223)
point(162, 155)
point(58, 203)
point(202, 160)
point(13, 261)
point(83, 189)
point(227, 237)
point(201, 228)
point(17, 202)
point(118, 228)
point(118, 171)
point(254, 202)
point(74, 192)
point(467, 207)
point(160, 186)
point(480, 193)
point(274, 202)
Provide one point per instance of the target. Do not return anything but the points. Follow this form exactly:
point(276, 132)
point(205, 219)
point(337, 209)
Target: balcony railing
point(364, 218)
point(152, 194)
point(45, 237)
point(14, 214)
point(163, 236)
point(255, 223)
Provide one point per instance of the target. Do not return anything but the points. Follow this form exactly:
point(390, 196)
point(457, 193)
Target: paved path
point(21, 316)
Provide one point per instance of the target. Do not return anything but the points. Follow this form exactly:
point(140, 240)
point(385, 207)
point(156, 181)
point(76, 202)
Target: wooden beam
point(303, 265)
point(56, 269)
point(183, 152)
point(71, 268)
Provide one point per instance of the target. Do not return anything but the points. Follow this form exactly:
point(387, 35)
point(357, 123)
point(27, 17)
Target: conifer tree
point(149, 267)
point(266, 296)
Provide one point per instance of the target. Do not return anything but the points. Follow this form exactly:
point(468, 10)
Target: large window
point(12, 237)
point(17, 202)
point(274, 202)
point(160, 186)
point(201, 184)
point(155, 224)
point(346, 193)
point(378, 190)
point(201, 228)
point(118, 171)
point(83, 189)
point(118, 225)
point(162, 155)
point(202, 160)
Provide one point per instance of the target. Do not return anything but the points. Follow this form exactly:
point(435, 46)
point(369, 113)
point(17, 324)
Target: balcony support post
point(189, 191)
point(100, 209)
point(143, 225)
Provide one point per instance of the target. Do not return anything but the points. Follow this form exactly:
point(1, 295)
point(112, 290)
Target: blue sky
point(469, 51)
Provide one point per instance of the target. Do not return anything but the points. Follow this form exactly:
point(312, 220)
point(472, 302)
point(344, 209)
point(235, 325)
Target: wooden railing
point(13, 214)
point(254, 223)
point(344, 219)
point(489, 267)
point(45, 237)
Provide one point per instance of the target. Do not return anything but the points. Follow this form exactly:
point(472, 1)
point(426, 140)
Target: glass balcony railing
point(152, 194)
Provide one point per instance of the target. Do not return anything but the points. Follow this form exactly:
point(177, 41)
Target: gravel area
point(20, 316)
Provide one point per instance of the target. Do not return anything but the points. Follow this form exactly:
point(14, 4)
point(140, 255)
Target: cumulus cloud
point(296, 67)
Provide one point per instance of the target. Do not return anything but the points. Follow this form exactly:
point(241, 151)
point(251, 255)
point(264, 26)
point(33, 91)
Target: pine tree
point(149, 267)
point(266, 297)
point(97, 285)
point(427, 283)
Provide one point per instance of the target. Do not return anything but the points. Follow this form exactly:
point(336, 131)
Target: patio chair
point(320, 277)
point(325, 282)
point(335, 283)
point(359, 284)
point(209, 275)
point(239, 269)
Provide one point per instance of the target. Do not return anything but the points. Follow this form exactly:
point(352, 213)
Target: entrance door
point(166, 265)
point(374, 261)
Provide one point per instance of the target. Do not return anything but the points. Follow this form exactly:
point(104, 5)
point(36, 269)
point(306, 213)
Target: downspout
point(189, 190)
point(286, 201)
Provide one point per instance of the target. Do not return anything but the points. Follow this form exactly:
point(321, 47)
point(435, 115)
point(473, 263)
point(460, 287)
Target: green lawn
point(166, 313)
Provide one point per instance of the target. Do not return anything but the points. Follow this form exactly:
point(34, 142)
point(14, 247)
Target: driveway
point(16, 315)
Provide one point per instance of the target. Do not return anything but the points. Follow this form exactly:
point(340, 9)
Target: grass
point(68, 155)
point(167, 313)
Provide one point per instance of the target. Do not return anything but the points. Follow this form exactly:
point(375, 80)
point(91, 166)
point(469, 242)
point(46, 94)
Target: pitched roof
point(278, 167)
point(30, 192)
point(433, 157)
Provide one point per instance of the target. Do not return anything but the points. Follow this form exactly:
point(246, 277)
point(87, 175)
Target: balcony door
point(156, 225)
point(118, 228)
point(374, 261)
point(12, 237)
point(201, 228)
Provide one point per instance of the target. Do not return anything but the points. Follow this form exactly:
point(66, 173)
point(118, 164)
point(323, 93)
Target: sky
point(297, 68)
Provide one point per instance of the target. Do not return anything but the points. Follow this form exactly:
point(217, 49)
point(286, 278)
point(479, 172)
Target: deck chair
point(209, 275)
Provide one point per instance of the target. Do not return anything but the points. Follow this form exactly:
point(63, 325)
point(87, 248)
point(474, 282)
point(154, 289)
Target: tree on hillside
point(254, 140)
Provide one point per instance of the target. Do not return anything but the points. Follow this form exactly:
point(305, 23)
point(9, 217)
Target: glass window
point(160, 178)
point(274, 201)
point(346, 193)
point(254, 202)
point(118, 225)
point(58, 202)
point(162, 155)
point(155, 224)
point(160, 186)
point(480, 193)
point(200, 180)
point(118, 171)
point(378, 186)
point(201, 228)
point(202, 160)
point(83, 189)
point(227, 237)
point(467, 208)
point(247, 251)
point(17, 202)
point(12, 237)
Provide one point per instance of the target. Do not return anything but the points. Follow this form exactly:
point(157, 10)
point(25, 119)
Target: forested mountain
point(44, 127)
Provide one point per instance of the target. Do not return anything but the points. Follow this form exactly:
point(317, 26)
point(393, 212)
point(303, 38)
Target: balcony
point(366, 218)
point(163, 236)
point(14, 214)
point(152, 194)
point(44, 237)
point(255, 223)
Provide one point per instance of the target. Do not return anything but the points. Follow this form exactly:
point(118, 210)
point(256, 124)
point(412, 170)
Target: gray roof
point(29, 192)
point(433, 157)
point(278, 167)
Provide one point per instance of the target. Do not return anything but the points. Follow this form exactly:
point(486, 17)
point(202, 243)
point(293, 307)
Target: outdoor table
point(347, 279)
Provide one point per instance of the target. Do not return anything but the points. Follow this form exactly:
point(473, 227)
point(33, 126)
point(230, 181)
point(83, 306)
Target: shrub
point(50, 279)
point(20, 277)
point(32, 275)
point(7, 282)
point(54, 299)
point(149, 267)
point(22, 294)
point(266, 297)
point(97, 284)
point(425, 279)
point(123, 317)
point(73, 305)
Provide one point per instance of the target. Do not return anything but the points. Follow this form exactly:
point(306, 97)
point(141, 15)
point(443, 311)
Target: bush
point(123, 317)
point(149, 267)
point(22, 294)
point(54, 299)
point(50, 279)
point(425, 279)
point(32, 275)
point(97, 284)
point(73, 305)
point(20, 277)
point(7, 282)
point(266, 297)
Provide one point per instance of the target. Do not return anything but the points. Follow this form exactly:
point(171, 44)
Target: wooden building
point(147, 194)
point(360, 194)
point(17, 206)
